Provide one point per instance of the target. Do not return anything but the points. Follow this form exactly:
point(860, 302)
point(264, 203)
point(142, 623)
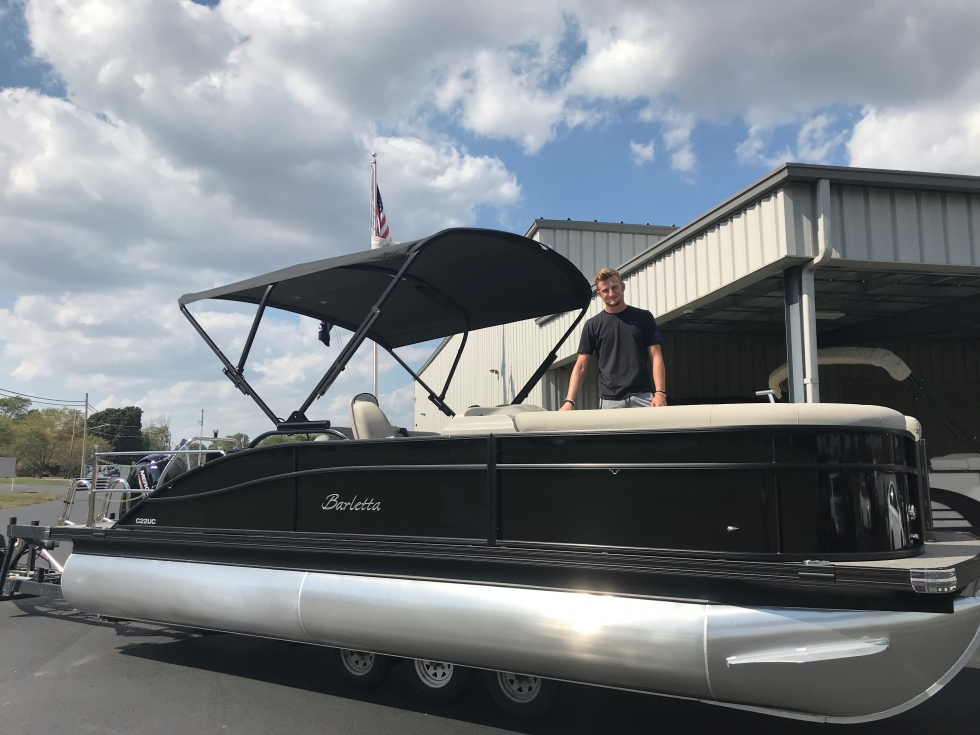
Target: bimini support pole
point(452, 371)
point(348, 352)
point(438, 400)
point(255, 328)
point(229, 370)
point(543, 368)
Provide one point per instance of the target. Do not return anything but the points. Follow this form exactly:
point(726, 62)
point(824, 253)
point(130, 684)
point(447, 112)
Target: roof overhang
point(790, 173)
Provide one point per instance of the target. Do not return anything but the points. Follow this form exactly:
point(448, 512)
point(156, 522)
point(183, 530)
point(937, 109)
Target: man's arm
point(575, 381)
point(659, 376)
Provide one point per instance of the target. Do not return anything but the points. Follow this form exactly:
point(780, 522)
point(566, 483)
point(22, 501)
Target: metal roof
point(595, 225)
point(790, 173)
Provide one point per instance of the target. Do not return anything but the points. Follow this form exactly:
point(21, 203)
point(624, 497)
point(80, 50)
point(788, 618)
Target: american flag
point(380, 223)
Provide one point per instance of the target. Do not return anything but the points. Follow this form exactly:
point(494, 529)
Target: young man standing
point(626, 342)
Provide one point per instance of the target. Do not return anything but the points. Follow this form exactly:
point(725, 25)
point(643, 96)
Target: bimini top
point(459, 280)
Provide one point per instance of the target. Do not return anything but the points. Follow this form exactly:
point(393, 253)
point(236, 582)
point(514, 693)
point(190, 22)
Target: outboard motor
point(146, 474)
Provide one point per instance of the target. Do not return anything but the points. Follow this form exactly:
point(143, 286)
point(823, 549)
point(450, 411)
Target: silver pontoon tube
point(841, 666)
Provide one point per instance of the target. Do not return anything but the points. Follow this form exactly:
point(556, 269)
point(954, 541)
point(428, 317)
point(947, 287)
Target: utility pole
point(81, 468)
point(74, 425)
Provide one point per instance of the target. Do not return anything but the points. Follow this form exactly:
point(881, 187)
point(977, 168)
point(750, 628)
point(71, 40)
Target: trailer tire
point(521, 695)
point(437, 681)
point(361, 668)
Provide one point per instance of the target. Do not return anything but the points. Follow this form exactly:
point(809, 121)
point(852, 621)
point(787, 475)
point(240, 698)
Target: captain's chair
point(367, 420)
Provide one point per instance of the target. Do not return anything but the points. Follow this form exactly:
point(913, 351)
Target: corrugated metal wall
point(712, 367)
point(905, 226)
point(591, 250)
point(951, 368)
point(740, 249)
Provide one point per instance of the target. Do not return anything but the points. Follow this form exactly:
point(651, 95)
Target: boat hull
point(823, 664)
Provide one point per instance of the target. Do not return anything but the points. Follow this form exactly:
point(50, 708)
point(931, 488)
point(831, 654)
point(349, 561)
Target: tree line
point(48, 441)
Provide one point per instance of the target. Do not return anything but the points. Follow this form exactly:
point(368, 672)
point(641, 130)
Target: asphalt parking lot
point(64, 672)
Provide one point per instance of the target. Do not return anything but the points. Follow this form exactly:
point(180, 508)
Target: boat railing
point(103, 517)
point(107, 486)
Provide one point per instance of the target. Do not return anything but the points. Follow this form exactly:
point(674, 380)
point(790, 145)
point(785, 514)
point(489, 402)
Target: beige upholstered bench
point(510, 419)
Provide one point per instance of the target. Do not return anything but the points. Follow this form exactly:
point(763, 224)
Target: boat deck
point(949, 549)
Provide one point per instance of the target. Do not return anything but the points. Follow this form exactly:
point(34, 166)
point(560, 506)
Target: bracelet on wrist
point(568, 400)
point(663, 393)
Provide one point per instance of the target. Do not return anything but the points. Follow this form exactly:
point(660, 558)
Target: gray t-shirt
point(620, 342)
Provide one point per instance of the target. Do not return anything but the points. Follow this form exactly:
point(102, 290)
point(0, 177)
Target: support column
point(808, 300)
point(792, 289)
point(808, 314)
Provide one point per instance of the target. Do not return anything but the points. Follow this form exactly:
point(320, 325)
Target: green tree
point(33, 449)
point(122, 427)
point(7, 435)
point(64, 429)
point(157, 434)
point(14, 407)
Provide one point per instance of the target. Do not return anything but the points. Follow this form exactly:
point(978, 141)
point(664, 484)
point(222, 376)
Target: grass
point(19, 500)
point(44, 481)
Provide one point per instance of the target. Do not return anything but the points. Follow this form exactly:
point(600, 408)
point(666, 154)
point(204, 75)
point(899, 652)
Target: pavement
point(65, 672)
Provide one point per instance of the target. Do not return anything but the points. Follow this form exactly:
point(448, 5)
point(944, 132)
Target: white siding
point(591, 250)
point(905, 226)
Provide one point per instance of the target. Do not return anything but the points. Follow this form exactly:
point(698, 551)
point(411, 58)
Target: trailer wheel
point(522, 695)
point(437, 681)
point(362, 668)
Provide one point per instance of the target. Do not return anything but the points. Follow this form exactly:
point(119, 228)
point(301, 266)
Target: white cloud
point(446, 183)
point(642, 152)
point(500, 101)
point(816, 142)
point(942, 138)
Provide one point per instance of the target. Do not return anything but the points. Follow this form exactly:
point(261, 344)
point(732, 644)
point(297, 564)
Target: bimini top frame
point(450, 283)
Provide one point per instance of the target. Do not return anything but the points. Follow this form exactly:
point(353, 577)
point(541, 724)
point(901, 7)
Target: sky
point(158, 147)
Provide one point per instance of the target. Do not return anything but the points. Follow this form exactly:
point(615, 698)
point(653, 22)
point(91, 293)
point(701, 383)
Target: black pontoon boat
point(768, 556)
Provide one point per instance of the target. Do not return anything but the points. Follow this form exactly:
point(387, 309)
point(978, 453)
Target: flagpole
point(374, 189)
point(374, 215)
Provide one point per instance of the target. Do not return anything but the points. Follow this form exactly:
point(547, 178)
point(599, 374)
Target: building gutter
point(811, 371)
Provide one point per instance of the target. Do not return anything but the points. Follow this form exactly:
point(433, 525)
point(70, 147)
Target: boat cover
point(461, 279)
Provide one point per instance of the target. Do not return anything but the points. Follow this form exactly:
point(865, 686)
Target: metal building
point(807, 256)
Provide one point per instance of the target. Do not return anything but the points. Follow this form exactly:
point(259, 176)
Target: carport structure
point(851, 256)
point(808, 256)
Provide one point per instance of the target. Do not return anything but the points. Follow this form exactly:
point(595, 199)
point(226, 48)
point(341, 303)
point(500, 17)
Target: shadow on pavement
point(38, 607)
point(578, 709)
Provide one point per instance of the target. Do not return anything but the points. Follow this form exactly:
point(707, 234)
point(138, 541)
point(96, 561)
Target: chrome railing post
point(90, 520)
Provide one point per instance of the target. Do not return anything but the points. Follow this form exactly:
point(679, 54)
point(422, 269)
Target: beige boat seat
point(489, 419)
point(678, 417)
point(367, 420)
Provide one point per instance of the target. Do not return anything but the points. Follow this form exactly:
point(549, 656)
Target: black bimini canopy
point(450, 283)
point(459, 280)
